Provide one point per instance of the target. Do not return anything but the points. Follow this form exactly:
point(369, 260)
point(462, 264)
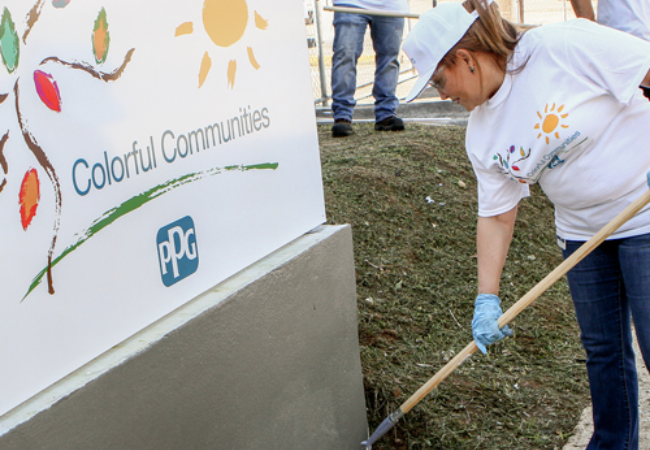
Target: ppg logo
point(177, 251)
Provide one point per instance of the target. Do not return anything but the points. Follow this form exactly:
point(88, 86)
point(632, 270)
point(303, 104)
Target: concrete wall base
point(269, 359)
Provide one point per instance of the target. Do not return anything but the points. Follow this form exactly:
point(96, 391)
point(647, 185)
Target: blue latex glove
point(485, 327)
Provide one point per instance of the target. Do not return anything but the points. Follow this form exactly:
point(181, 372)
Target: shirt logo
point(556, 161)
point(550, 121)
point(510, 168)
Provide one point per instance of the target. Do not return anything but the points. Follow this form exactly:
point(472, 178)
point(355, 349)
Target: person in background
point(630, 16)
point(386, 34)
point(557, 105)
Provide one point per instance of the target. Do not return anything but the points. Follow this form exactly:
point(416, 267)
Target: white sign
point(148, 151)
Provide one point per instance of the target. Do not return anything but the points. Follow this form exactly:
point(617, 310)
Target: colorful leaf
point(9, 42)
point(47, 90)
point(101, 38)
point(60, 3)
point(3, 162)
point(29, 197)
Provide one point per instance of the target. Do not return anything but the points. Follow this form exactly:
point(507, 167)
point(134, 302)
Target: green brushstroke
point(9, 42)
point(264, 166)
point(136, 202)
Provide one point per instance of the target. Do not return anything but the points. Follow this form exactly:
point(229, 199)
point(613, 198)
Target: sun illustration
point(225, 22)
point(551, 121)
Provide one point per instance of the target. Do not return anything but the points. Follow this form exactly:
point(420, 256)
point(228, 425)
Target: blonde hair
point(491, 34)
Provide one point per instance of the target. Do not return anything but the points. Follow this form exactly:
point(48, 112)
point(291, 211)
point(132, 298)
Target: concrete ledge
point(268, 359)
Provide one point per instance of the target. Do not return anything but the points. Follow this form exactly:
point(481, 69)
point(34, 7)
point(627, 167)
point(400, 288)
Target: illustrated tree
point(50, 95)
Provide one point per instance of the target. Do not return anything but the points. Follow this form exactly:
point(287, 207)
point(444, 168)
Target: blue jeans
point(386, 34)
point(608, 287)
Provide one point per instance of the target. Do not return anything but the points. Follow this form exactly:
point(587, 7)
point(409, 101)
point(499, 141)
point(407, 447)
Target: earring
point(471, 69)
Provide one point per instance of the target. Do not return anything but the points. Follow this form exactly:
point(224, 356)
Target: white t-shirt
point(384, 5)
point(574, 120)
point(631, 16)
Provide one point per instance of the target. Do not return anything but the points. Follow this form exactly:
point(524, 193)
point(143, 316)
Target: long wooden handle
point(532, 295)
point(371, 12)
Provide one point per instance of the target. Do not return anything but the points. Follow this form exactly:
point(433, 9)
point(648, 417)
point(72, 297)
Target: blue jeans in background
point(608, 287)
point(386, 34)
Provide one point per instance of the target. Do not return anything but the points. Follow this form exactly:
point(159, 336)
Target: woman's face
point(459, 84)
point(465, 82)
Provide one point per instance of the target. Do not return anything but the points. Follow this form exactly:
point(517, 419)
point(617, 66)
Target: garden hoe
point(511, 313)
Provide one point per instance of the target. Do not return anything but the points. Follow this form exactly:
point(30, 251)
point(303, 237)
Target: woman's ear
point(466, 57)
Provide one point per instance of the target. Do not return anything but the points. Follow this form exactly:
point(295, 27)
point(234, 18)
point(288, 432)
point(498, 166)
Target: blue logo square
point(178, 252)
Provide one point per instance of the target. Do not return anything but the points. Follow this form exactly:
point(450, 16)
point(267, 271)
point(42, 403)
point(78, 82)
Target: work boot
point(342, 128)
point(390, 124)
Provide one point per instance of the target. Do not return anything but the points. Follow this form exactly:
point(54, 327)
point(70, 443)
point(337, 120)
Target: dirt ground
point(585, 427)
point(411, 200)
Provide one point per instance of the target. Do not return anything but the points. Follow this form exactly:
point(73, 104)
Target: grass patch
point(416, 284)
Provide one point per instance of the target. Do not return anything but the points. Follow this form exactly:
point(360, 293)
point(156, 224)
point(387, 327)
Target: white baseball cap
point(435, 33)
